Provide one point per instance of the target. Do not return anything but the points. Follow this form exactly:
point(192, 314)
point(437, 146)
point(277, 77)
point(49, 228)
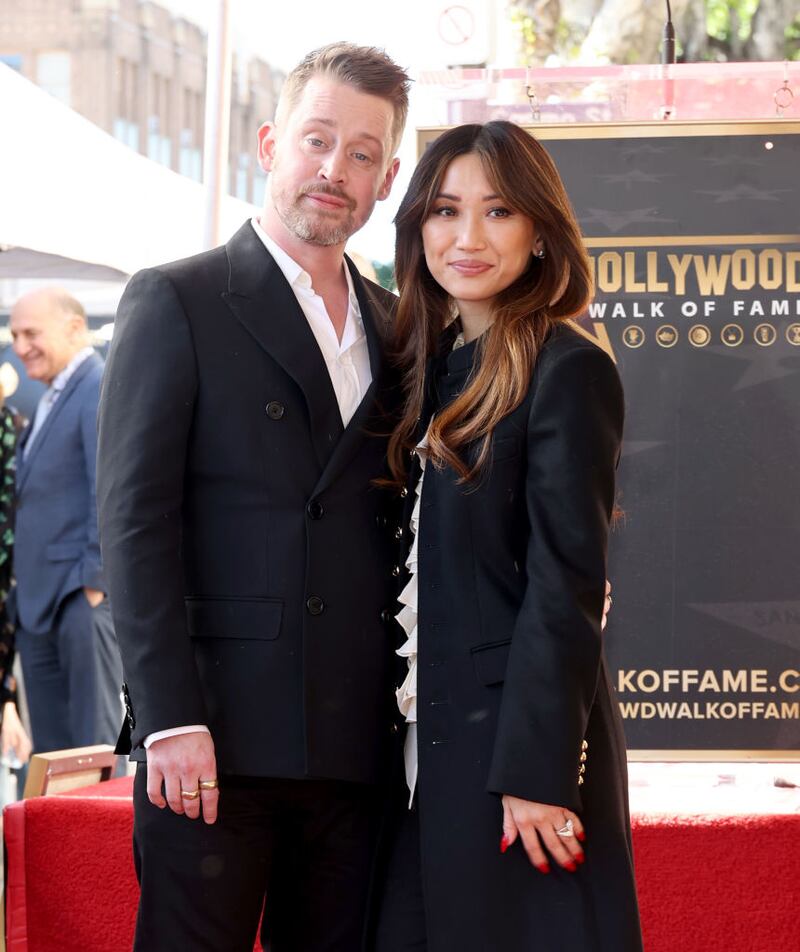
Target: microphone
point(667, 110)
point(668, 47)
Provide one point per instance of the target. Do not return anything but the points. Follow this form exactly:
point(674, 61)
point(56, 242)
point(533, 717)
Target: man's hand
point(12, 734)
point(182, 763)
point(94, 596)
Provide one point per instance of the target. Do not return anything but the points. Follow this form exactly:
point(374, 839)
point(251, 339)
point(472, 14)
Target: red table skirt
point(706, 883)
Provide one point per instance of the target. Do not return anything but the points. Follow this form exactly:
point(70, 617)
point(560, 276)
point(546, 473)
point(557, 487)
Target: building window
point(159, 143)
point(14, 60)
point(53, 75)
point(259, 186)
point(127, 132)
point(190, 159)
point(242, 177)
point(190, 148)
point(126, 123)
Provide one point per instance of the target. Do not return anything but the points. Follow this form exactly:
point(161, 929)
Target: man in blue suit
point(65, 637)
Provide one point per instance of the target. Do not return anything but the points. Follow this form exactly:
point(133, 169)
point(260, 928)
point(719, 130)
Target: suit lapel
point(262, 300)
point(22, 441)
point(365, 423)
point(52, 417)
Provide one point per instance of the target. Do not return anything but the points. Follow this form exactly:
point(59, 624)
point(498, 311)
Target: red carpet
point(706, 884)
point(719, 884)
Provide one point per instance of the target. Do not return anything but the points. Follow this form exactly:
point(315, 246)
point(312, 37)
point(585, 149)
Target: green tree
point(629, 31)
point(385, 274)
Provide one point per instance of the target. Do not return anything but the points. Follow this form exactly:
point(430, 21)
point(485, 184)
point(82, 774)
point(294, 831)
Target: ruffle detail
point(407, 618)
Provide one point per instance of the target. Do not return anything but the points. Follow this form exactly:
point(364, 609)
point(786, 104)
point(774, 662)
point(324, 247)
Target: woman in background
point(512, 833)
point(13, 738)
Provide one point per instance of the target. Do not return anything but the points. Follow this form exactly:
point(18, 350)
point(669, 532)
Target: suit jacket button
point(315, 605)
point(386, 616)
point(381, 522)
point(396, 571)
point(275, 410)
point(398, 533)
point(403, 492)
point(394, 728)
point(315, 509)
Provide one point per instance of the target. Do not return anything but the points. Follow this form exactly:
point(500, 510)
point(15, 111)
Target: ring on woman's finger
point(190, 794)
point(567, 830)
point(209, 784)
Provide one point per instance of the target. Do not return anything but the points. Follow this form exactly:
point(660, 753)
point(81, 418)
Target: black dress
point(514, 696)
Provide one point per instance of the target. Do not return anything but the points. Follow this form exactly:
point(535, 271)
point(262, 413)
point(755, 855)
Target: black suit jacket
point(247, 551)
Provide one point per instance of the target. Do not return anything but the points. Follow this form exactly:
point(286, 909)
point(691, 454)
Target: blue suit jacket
point(56, 548)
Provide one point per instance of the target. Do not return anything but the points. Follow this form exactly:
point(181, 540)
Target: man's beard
point(315, 228)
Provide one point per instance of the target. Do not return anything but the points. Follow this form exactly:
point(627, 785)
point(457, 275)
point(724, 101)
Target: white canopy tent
point(76, 203)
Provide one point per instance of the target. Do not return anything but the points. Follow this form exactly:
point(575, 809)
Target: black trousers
point(72, 677)
point(301, 850)
point(399, 906)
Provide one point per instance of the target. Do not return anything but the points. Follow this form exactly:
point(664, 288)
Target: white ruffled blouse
point(407, 617)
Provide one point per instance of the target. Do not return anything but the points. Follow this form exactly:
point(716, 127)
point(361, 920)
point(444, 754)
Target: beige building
point(139, 72)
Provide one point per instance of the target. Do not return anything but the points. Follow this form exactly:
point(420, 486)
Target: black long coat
point(511, 675)
point(246, 549)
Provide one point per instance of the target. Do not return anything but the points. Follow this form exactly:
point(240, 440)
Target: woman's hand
point(536, 825)
point(12, 734)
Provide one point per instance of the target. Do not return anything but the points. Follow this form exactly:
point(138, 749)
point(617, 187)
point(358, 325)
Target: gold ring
point(209, 784)
point(190, 794)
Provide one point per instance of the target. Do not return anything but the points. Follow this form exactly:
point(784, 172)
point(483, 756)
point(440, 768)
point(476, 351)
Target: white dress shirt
point(51, 395)
point(347, 362)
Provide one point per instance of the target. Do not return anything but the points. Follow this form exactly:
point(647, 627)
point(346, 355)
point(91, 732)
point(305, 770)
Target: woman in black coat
point(511, 832)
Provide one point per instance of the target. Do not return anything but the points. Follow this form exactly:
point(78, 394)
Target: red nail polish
point(580, 858)
point(581, 836)
point(543, 868)
point(504, 844)
point(570, 866)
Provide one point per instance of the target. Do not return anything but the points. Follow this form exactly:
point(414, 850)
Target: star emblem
point(737, 160)
point(634, 177)
point(615, 220)
point(772, 621)
point(763, 364)
point(742, 192)
point(645, 149)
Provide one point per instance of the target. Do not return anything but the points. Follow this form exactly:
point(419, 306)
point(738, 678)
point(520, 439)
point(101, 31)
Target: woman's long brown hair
point(550, 290)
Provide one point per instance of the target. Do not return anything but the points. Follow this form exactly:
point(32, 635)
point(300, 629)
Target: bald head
point(48, 327)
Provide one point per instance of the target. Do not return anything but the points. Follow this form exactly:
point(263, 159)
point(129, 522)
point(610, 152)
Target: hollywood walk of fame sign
point(693, 230)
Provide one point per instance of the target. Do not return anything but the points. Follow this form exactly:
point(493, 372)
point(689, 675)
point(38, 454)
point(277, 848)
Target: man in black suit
point(246, 547)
